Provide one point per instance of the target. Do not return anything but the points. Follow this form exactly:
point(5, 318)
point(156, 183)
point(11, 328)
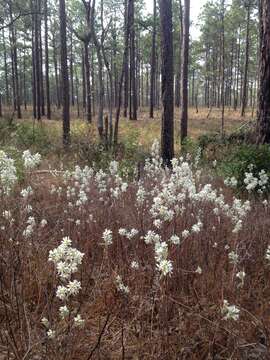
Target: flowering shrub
point(8, 176)
point(8, 170)
point(248, 169)
point(147, 271)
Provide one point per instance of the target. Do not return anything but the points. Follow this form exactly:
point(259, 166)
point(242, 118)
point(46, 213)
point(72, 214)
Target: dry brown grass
point(176, 318)
point(205, 121)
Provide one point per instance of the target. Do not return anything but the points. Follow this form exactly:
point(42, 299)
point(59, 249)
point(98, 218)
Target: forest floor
point(175, 266)
point(205, 121)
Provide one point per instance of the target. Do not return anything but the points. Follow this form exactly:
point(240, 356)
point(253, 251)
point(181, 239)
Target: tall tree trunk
point(64, 73)
point(98, 46)
point(133, 87)
point(245, 83)
point(34, 92)
point(223, 67)
point(83, 82)
point(153, 61)
point(48, 100)
point(123, 73)
point(37, 61)
point(184, 80)
point(71, 71)
point(263, 121)
point(126, 72)
point(42, 98)
point(179, 66)
point(87, 81)
point(7, 95)
point(56, 73)
point(24, 76)
point(167, 130)
point(77, 93)
point(17, 98)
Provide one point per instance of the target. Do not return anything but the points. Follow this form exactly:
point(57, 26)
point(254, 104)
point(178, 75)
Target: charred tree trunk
point(263, 121)
point(167, 130)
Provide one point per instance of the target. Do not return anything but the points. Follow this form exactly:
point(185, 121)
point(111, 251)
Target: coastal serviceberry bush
point(93, 261)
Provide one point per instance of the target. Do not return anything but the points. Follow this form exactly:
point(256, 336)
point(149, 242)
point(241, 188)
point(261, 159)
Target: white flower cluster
point(141, 194)
point(31, 223)
point(128, 234)
point(233, 257)
point(231, 182)
point(164, 265)
point(107, 237)
point(120, 285)
point(25, 193)
point(31, 161)
point(66, 259)
point(230, 312)
point(8, 173)
point(153, 166)
point(256, 183)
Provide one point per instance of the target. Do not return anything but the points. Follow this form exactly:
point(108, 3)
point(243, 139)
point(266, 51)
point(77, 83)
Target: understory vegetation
point(106, 255)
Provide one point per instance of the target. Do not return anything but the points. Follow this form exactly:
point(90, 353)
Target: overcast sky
point(195, 8)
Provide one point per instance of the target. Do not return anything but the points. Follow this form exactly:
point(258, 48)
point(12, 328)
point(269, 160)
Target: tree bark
point(245, 83)
point(48, 100)
point(184, 80)
point(133, 87)
point(263, 120)
point(167, 130)
point(153, 61)
point(64, 73)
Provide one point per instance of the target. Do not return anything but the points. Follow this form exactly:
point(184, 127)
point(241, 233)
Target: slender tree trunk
point(98, 47)
point(245, 83)
point(34, 92)
point(123, 73)
point(24, 76)
point(64, 73)
point(185, 56)
point(126, 72)
point(56, 73)
point(42, 98)
point(133, 88)
point(71, 71)
point(153, 61)
point(77, 93)
point(48, 100)
point(179, 67)
point(223, 67)
point(37, 61)
point(17, 98)
point(7, 95)
point(87, 81)
point(83, 82)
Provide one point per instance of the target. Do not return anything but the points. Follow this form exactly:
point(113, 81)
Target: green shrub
point(245, 159)
point(30, 135)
